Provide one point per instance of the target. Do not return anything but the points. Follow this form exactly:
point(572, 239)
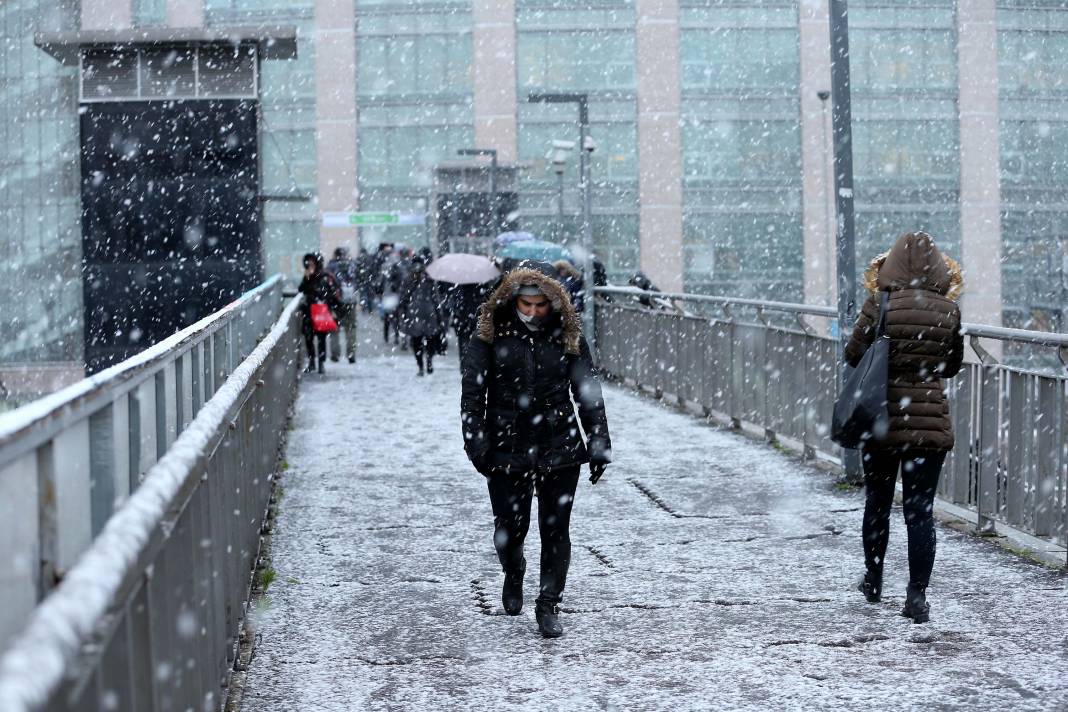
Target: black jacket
point(520, 388)
point(421, 309)
point(321, 288)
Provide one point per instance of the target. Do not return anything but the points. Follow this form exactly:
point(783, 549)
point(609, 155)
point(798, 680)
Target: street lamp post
point(842, 124)
point(492, 153)
point(558, 159)
point(585, 146)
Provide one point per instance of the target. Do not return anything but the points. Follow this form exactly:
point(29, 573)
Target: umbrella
point(535, 250)
point(462, 268)
point(507, 238)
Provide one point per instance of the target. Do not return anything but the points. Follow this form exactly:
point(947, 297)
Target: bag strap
point(884, 302)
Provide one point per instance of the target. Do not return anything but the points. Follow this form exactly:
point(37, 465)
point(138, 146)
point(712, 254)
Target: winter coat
point(321, 288)
point(517, 413)
point(926, 344)
point(572, 281)
point(421, 310)
point(463, 302)
point(344, 271)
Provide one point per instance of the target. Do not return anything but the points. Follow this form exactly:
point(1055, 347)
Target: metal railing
point(69, 459)
point(146, 618)
point(760, 363)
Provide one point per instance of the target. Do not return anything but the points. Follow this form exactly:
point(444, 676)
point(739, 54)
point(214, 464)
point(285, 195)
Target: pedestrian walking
point(572, 280)
point(390, 281)
point(344, 270)
point(421, 315)
point(463, 301)
point(318, 287)
point(520, 428)
point(923, 323)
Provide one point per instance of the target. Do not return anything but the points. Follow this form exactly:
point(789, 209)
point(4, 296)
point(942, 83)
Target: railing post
point(20, 579)
point(65, 501)
point(989, 397)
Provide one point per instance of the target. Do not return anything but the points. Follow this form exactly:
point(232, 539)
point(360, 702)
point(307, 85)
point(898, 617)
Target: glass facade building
point(40, 242)
point(743, 174)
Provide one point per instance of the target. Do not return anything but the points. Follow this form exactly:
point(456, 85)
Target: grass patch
point(267, 577)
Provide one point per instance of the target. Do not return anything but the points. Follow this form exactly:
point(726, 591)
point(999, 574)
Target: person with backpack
point(318, 287)
point(344, 270)
point(923, 323)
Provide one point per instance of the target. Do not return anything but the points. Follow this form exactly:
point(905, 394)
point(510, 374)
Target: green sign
point(363, 219)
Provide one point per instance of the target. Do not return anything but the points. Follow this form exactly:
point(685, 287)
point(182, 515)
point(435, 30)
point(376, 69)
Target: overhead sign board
point(368, 219)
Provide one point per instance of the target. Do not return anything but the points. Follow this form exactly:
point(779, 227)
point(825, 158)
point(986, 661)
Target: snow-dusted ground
point(709, 572)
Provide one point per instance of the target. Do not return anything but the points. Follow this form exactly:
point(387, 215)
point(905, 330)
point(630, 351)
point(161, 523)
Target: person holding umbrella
point(520, 373)
point(468, 275)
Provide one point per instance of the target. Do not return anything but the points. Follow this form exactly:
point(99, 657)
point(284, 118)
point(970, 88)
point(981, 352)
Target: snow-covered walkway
point(709, 572)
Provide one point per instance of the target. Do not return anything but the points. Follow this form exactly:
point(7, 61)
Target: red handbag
point(322, 320)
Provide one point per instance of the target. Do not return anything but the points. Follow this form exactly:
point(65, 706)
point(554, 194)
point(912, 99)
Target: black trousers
point(310, 338)
point(919, 480)
point(423, 345)
point(511, 495)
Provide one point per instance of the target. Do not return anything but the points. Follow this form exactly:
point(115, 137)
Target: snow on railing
point(147, 617)
point(760, 364)
point(68, 459)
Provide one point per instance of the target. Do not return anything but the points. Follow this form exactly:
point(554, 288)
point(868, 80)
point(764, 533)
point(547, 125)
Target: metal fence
point(762, 364)
point(144, 615)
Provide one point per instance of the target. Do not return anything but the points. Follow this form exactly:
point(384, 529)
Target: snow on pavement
point(708, 572)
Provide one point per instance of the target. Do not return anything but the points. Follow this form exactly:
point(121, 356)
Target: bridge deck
point(709, 572)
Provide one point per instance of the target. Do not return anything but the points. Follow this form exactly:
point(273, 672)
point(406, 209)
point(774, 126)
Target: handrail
point(1039, 338)
point(24, 428)
point(66, 623)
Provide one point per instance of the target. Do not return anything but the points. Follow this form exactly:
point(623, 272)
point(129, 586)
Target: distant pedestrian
point(344, 271)
point(926, 346)
point(318, 287)
point(365, 271)
point(422, 316)
point(522, 433)
point(463, 301)
point(390, 281)
point(571, 278)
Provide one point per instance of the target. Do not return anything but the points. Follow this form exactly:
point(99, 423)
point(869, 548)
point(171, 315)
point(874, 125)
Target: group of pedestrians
point(529, 383)
point(532, 411)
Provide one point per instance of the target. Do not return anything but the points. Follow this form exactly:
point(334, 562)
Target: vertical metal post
point(845, 236)
point(495, 217)
point(587, 225)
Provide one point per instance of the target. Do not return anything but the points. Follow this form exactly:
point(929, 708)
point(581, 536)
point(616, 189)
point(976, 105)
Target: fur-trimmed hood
point(915, 262)
point(568, 269)
point(502, 302)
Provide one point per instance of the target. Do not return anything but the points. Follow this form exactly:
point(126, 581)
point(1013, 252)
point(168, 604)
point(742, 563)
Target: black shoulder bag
point(860, 413)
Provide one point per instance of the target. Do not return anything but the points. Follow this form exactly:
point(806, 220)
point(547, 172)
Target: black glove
point(596, 470)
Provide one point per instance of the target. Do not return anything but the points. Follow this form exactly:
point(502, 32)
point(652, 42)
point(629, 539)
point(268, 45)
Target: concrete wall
point(980, 187)
point(335, 117)
point(106, 14)
point(817, 154)
point(659, 142)
point(185, 13)
point(495, 97)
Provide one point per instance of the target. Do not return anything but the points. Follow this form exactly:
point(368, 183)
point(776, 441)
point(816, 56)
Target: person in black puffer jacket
point(422, 315)
point(520, 374)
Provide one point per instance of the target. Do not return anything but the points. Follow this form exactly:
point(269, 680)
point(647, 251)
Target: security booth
point(170, 175)
point(471, 204)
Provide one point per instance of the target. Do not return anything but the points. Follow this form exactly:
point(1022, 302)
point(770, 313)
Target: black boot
point(871, 586)
point(310, 368)
point(548, 616)
point(916, 606)
point(512, 592)
point(322, 364)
